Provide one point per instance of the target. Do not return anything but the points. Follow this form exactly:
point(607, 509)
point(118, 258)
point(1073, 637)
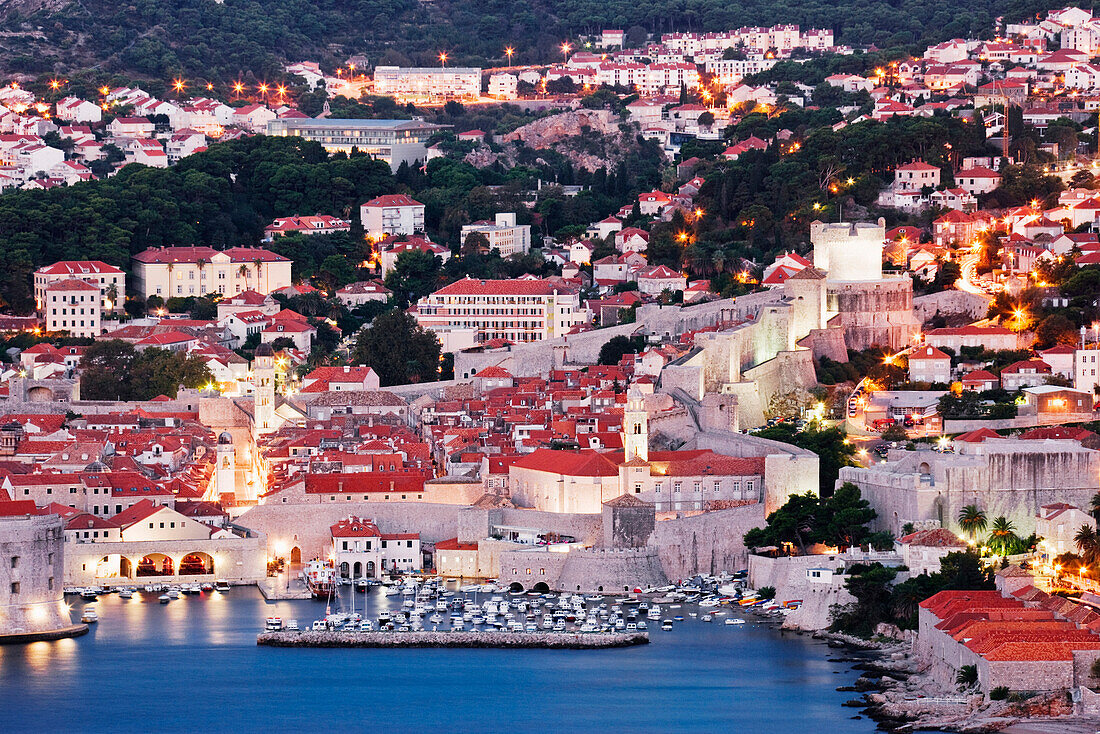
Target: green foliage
point(805, 519)
point(766, 592)
point(398, 349)
point(615, 347)
point(221, 197)
point(829, 444)
point(115, 370)
point(1000, 693)
point(967, 677)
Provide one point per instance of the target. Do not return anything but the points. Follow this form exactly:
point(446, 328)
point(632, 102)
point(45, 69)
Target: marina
point(751, 675)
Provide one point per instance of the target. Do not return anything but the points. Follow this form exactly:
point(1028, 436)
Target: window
point(15, 561)
point(676, 487)
point(637, 489)
point(15, 587)
point(717, 486)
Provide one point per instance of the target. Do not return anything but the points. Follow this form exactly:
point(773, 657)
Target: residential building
point(928, 364)
point(1057, 524)
point(196, 271)
point(978, 180)
point(110, 280)
point(1086, 368)
point(392, 141)
point(916, 176)
point(504, 86)
point(994, 338)
point(521, 310)
point(392, 214)
point(73, 306)
point(317, 224)
point(923, 550)
point(356, 294)
point(427, 83)
point(1025, 373)
point(503, 234)
point(361, 550)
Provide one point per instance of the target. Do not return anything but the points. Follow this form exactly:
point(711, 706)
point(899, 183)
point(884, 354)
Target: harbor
point(202, 648)
point(547, 640)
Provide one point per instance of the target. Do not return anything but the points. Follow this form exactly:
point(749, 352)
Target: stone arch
point(295, 555)
point(924, 468)
point(40, 394)
point(156, 564)
point(345, 569)
point(125, 567)
point(541, 587)
point(357, 569)
point(371, 571)
point(515, 586)
point(196, 564)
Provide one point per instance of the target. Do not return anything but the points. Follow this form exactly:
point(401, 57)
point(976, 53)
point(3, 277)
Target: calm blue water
point(194, 664)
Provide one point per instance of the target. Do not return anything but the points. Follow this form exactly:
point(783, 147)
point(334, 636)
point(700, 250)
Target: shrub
point(999, 693)
point(766, 592)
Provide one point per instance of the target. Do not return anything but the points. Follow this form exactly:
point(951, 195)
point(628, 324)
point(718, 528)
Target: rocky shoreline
point(545, 640)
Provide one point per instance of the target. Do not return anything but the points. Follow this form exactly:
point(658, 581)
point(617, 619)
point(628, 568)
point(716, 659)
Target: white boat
point(707, 618)
point(735, 620)
point(164, 598)
point(292, 625)
point(125, 594)
point(273, 624)
point(172, 594)
point(89, 616)
point(221, 585)
point(89, 593)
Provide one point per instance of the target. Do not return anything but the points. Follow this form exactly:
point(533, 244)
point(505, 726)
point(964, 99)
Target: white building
point(503, 234)
point(361, 550)
point(110, 280)
point(392, 214)
point(1086, 368)
point(392, 141)
point(1057, 524)
point(522, 310)
point(73, 306)
point(916, 175)
point(504, 86)
point(356, 294)
point(74, 109)
point(196, 271)
point(928, 364)
point(427, 83)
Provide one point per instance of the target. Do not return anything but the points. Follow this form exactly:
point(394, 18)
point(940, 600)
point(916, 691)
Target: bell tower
point(635, 428)
point(263, 370)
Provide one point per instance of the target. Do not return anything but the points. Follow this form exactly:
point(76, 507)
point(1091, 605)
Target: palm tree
point(972, 520)
point(1002, 536)
point(1088, 544)
point(967, 677)
point(1094, 504)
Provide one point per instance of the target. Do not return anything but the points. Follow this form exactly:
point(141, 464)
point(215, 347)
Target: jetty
point(545, 640)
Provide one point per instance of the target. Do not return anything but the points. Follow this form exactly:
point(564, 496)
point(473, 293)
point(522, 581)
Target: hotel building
point(393, 141)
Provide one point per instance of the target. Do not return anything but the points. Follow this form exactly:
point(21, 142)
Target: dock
point(543, 640)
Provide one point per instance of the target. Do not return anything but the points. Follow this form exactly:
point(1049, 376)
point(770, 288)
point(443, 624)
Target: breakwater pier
point(545, 640)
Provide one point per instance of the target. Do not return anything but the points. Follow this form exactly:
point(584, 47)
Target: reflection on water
point(202, 649)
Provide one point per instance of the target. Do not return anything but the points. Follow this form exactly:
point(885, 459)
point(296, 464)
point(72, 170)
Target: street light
point(443, 58)
point(508, 52)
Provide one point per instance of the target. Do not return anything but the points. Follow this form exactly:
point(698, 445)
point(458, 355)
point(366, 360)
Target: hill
point(206, 40)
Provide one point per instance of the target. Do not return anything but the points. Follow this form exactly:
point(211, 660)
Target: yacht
point(735, 620)
point(292, 625)
point(89, 616)
point(666, 625)
point(164, 598)
point(274, 624)
point(89, 593)
point(125, 594)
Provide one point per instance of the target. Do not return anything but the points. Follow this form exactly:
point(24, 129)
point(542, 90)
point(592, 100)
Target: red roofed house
point(994, 338)
point(456, 559)
point(978, 180)
point(979, 380)
point(915, 176)
point(317, 224)
point(1057, 524)
point(655, 280)
point(361, 550)
point(650, 204)
point(110, 280)
point(1026, 373)
point(335, 379)
point(631, 239)
point(73, 306)
point(923, 550)
point(197, 271)
point(928, 364)
point(392, 214)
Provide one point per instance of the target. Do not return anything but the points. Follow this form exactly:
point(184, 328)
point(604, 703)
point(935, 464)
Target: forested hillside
point(208, 40)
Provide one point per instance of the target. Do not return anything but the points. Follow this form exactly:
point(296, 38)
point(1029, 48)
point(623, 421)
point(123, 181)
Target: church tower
point(635, 428)
point(225, 472)
point(263, 370)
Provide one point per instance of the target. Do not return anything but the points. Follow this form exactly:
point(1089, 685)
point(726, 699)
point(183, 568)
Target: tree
point(874, 603)
point(792, 523)
point(1088, 545)
point(1055, 330)
point(830, 445)
point(415, 275)
point(894, 433)
point(846, 516)
point(972, 520)
point(336, 272)
point(114, 370)
point(1094, 505)
point(1002, 536)
point(613, 350)
point(398, 349)
point(967, 677)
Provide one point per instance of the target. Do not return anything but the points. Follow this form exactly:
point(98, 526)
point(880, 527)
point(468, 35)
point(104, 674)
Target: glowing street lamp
point(55, 84)
point(238, 88)
point(263, 88)
point(443, 58)
point(565, 49)
point(508, 52)
point(179, 85)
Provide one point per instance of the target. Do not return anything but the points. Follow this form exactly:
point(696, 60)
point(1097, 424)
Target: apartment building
point(393, 214)
point(427, 83)
point(110, 280)
point(503, 234)
point(196, 271)
point(73, 306)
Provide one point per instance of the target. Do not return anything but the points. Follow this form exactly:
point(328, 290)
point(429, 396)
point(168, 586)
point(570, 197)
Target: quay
point(546, 640)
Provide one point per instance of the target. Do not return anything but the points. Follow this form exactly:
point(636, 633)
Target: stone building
point(32, 562)
point(1004, 477)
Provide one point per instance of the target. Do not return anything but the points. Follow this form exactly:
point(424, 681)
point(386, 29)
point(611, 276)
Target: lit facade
point(392, 141)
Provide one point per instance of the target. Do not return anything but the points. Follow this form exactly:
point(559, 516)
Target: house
point(392, 214)
point(196, 271)
point(954, 227)
point(979, 381)
point(631, 239)
point(146, 152)
point(361, 550)
point(316, 224)
point(1053, 403)
point(1025, 373)
point(1057, 524)
point(253, 117)
point(504, 86)
point(850, 82)
point(111, 281)
point(292, 326)
point(130, 127)
point(72, 306)
point(356, 294)
point(74, 109)
point(183, 143)
point(956, 198)
point(340, 378)
point(504, 234)
point(650, 204)
point(916, 176)
point(978, 180)
point(994, 338)
point(929, 364)
point(923, 550)
point(1083, 77)
point(655, 280)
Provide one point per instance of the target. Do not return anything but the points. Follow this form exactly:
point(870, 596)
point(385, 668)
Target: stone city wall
point(709, 543)
point(242, 560)
point(950, 303)
point(32, 563)
point(787, 575)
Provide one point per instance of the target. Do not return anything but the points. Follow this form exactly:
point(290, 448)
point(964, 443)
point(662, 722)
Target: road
point(969, 275)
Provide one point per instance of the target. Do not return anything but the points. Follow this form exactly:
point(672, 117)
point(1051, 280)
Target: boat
point(666, 625)
point(89, 616)
point(164, 598)
point(89, 593)
point(320, 578)
point(208, 586)
point(125, 594)
point(361, 585)
point(274, 624)
point(735, 620)
point(172, 594)
point(221, 585)
point(292, 625)
point(707, 618)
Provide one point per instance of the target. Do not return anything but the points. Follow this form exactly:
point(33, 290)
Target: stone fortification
point(711, 542)
point(32, 562)
point(425, 638)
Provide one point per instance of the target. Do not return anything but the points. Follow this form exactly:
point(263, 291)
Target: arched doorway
point(515, 586)
point(40, 395)
point(295, 555)
point(196, 564)
point(357, 570)
point(370, 569)
point(344, 568)
point(155, 564)
point(125, 568)
point(541, 587)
